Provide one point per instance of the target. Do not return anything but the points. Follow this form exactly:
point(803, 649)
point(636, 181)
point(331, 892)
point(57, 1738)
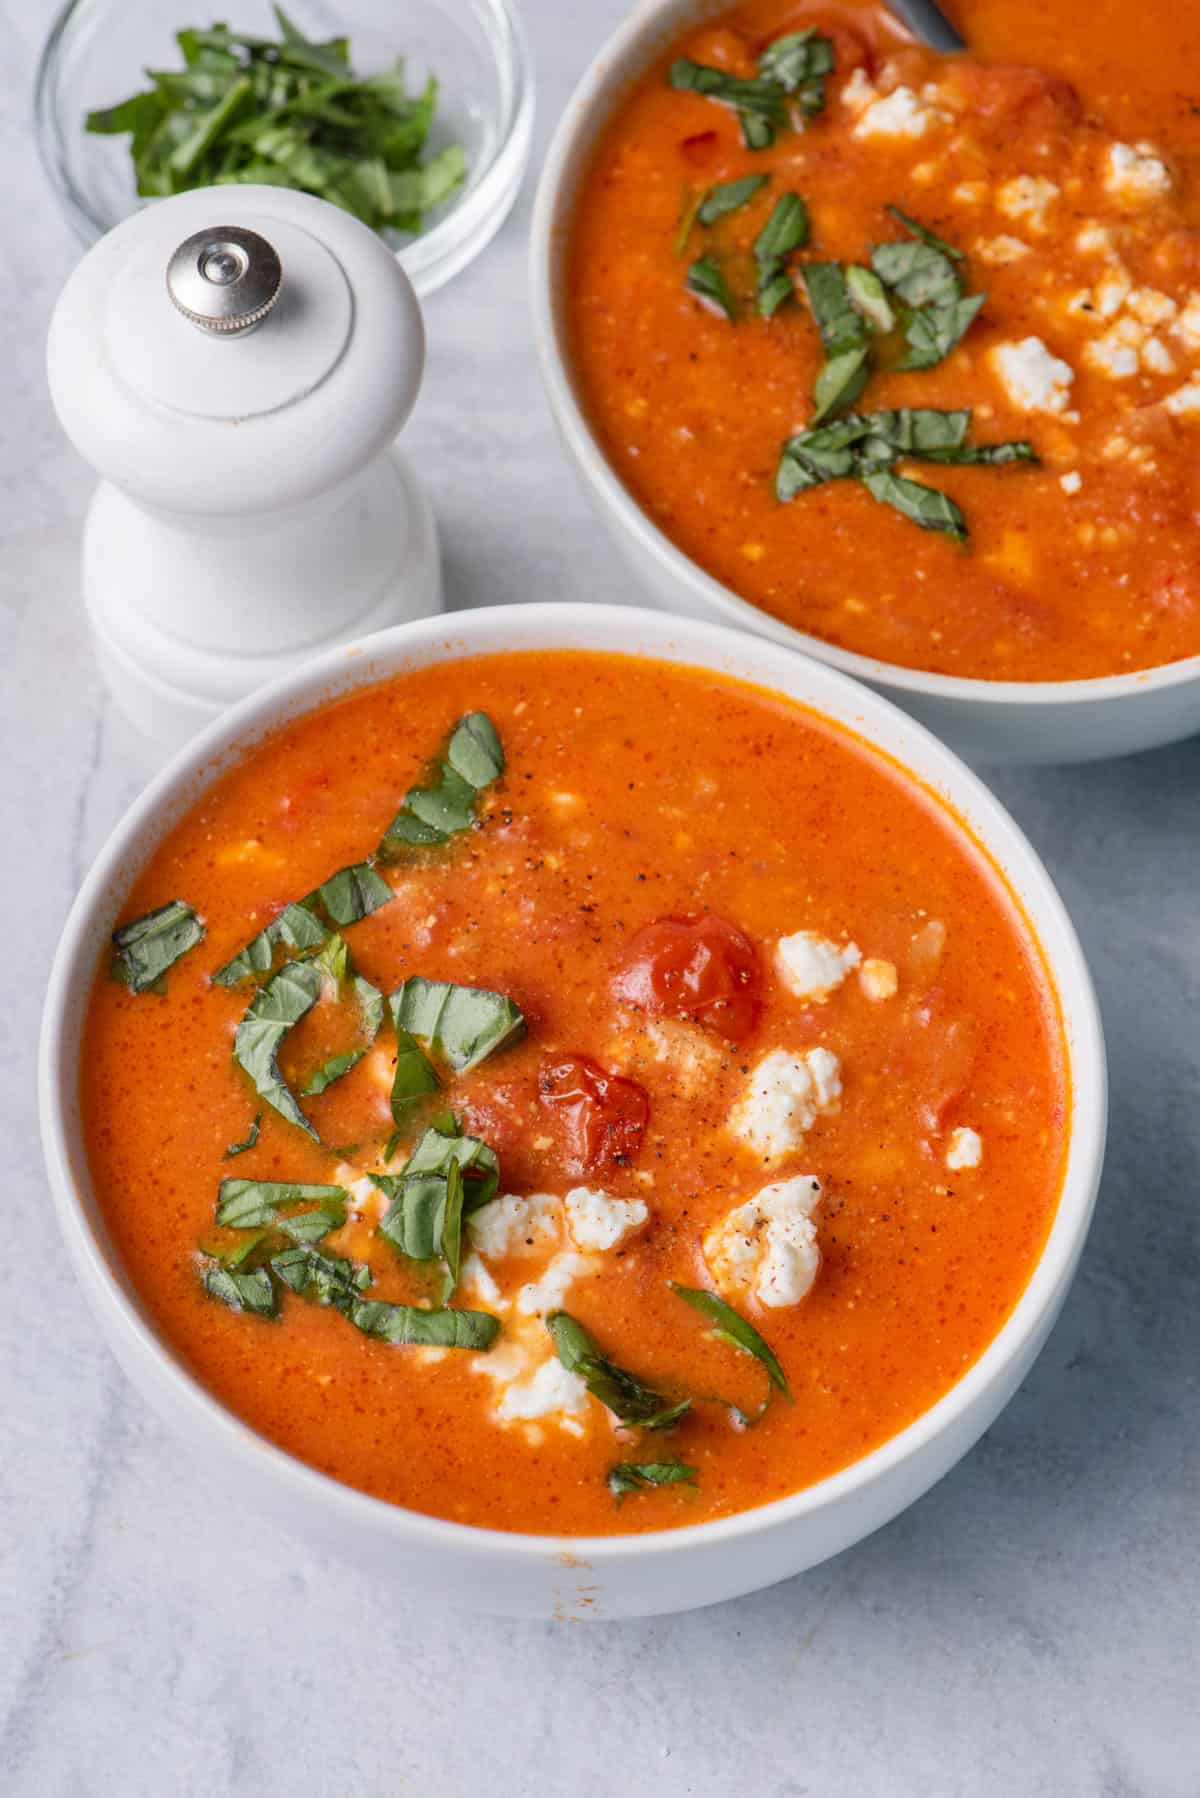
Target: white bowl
point(545, 1576)
point(986, 721)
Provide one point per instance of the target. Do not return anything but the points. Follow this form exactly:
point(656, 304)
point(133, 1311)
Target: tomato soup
point(905, 348)
point(632, 1116)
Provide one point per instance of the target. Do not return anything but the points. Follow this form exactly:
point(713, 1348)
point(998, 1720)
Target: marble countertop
point(1031, 1627)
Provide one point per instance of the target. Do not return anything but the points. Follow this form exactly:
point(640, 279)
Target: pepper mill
point(235, 363)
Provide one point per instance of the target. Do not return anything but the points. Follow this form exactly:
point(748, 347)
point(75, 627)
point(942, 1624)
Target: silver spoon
point(926, 20)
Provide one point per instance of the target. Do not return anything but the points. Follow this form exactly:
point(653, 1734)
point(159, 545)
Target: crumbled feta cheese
point(878, 979)
point(549, 1292)
point(970, 193)
point(1094, 240)
point(784, 1097)
point(859, 92)
point(687, 1049)
point(1187, 325)
point(1157, 357)
point(1110, 294)
point(598, 1222)
point(768, 1246)
point(1152, 307)
point(1001, 250)
point(899, 114)
point(1071, 482)
point(964, 1149)
point(1027, 197)
point(1185, 401)
point(516, 1226)
point(476, 1277)
point(810, 966)
point(1111, 355)
point(550, 1391)
point(1136, 172)
point(1033, 378)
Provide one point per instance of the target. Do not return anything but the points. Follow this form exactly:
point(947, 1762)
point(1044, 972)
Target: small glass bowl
point(98, 50)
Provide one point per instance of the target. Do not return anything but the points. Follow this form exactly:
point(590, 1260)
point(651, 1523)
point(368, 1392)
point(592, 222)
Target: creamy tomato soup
point(782, 236)
point(631, 1117)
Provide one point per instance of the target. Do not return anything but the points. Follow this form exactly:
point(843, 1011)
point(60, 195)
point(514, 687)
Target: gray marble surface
point(1032, 1626)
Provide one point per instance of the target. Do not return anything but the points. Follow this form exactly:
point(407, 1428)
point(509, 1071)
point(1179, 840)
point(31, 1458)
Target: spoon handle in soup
point(926, 20)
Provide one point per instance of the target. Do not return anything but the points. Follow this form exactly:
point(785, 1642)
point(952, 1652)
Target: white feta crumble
point(1152, 307)
point(549, 1292)
point(1185, 401)
point(1157, 357)
point(859, 92)
point(1071, 482)
point(1111, 293)
point(899, 114)
point(597, 1221)
point(1094, 240)
point(549, 1392)
point(478, 1279)
point(768, 1246)
point(690, 1054)
point(1027, 197)
point(970, 193)
point(810, 966)
point(964, 1149)
point(1111, 355)
point(878, 979)
point(512, 1225)
point(1035, 380)
point(1136, 172)
point(1187, 325)
point(784, 1097)
point(999, 251)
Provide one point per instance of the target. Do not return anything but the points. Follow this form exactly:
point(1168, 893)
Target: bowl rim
point(431, 258)
point(574, 140)
point(619, 629)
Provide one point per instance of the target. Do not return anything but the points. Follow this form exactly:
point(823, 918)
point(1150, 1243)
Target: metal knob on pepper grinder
point(235, 363)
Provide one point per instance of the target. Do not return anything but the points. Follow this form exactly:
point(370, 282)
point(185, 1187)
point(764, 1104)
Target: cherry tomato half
point(603, 1114)
point(701, 968)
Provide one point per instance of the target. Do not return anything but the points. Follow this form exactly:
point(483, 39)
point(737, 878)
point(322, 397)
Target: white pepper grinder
point(235, 363)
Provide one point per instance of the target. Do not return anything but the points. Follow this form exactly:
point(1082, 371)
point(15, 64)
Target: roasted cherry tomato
point(604, 1114)
point(701, 968)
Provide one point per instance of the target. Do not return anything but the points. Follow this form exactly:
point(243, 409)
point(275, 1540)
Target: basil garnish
point(916, 229)
point(252, 1292)
point(334, 959)
point(844, 334)
point(443, 1144)
point(922, 273)
point(639, 1476)
point(705, 280)
point(759, 104)
point(731, 1327)
point(465, 1024)
point(447, 801)
point(866, 293)
point(728, 197)
point(322, 1279)
point(799, 62)
point(440, 1328)
point(239, 1148)
point(784, 232)
point(346, 897)
point(625, 1396)
point(252, 1204)
point(151, 944)
point(864, 446)
point(415, 1074)
point(287, 997)
point(415, 1222)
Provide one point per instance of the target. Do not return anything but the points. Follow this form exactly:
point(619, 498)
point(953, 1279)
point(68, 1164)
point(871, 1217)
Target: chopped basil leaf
point(728, 197)
point(984, 455)
point(334, 959)
point(353, 893)
point(786, 229)
point(444, 1144)
point(638, 1476)
point(252, 1292)
point(774, 287)
point(151, 944)
point(799, 62)
point(932, 510)
point(251, 1204)
point(919, 274)
point(758, 103)
point(287, 997)
point(840, 326)
point(705, 280)
point(933, 331)
point(625, 1396)
point(322, 1279)
point(239, 1148)
point(917, 229)
point(346, 897)
point(840, 381)
point(687, 219)
point(434, 1329)
point(732, 1328)
point(415, 1074)
point(413, 1222)
point(466, 1024)
point(329, 1071)
point(867, 295)
point(447, 801)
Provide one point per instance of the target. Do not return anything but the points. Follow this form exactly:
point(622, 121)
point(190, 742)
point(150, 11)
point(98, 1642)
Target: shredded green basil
point(415, 1074)
point(346, 897)
point(253, 1292)
point(729, 1326)
point(287, 997)
point(785, 232)
point(705, 280)
point(447, 801)
point(729, 196)
point(248, 1142)
point(443, 1144)
point(254, 1204)
point(640, 1476)
point(321, 1279)
point(799, 61)
point(440, 1328)
point(334, 959)
point(759, 104)
point(626, 1397)
point(146, 948)
point(464, 1024)
point(926, 506)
